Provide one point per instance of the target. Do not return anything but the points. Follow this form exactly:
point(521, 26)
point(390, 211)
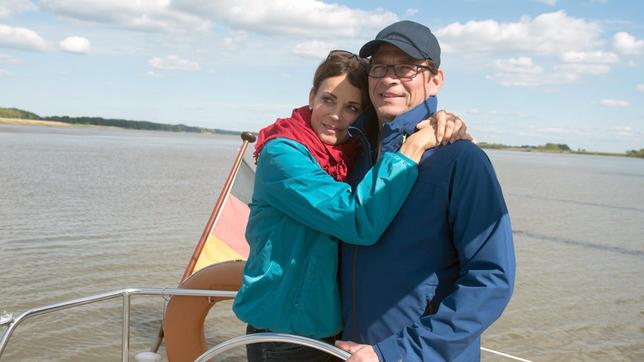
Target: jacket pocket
point(307, 283)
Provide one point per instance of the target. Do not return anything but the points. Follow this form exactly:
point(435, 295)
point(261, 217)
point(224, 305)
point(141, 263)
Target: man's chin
point(388, 113)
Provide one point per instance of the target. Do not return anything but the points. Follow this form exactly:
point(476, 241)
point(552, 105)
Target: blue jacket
point(443, 271)
point(297, 214)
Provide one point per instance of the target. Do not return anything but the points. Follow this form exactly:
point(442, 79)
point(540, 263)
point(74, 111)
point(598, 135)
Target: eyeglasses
point(346, 54)
point(402, 71)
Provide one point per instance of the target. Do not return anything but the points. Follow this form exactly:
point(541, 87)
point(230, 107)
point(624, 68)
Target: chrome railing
point(124, 293)
point(127, 293)
point(272, 337)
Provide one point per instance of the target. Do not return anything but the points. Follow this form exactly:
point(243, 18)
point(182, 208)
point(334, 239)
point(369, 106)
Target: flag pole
point(247, 137)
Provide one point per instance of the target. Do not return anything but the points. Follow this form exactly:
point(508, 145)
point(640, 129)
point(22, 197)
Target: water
point(87, 210)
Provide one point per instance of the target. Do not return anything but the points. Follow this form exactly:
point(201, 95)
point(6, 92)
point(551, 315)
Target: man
point(444, 270)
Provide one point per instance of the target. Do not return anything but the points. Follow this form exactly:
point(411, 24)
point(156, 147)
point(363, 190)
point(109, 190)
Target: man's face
point(392, 96)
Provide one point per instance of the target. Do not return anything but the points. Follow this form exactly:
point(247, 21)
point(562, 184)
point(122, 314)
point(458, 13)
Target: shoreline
point(35, 122)
point(530, 150)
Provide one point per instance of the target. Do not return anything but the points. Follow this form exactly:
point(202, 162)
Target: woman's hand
point(447, 127)
point(417, 143)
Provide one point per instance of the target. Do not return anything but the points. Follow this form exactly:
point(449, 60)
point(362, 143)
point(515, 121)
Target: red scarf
point(335, 160)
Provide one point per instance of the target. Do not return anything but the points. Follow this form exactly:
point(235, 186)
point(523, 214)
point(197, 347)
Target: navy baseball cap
point(415, 39)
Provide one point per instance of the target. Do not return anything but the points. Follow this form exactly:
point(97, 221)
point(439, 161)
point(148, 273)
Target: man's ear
point(436, 82)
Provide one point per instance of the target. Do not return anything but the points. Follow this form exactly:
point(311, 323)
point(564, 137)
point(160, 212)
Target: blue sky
point(518, 71)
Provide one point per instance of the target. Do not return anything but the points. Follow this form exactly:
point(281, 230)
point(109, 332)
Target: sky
point(519, 72)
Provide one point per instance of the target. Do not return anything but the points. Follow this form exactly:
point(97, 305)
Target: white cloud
point(313, 49)
point(4, 73)
point(144, 15)
point(523, 71)
point(75, 44)
point(640, 87)
point(152, 74)
point(411, 12)
point(590, 69)
point(614, 103)
point(553, 130)
point(517, 71)
point(522, 64)
point(625, 43)
point(11, 7)
point(632, 64)
point(624, 130)
point(549, 33)
point(548, 2)
point(21, 38)
point(299, 18)
point(173, 62)
point(6, 59)
point(235, 40)
point(589, 57)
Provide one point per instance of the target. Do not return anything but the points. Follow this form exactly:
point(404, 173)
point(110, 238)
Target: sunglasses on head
point(346, 54)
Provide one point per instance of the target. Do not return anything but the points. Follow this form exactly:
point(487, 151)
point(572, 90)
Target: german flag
point(223, 237)
point(226, 240)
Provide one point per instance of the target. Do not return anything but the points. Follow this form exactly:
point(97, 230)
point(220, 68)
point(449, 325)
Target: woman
point(301, 209)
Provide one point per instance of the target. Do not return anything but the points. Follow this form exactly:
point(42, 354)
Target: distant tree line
point(559, 148)
point(634, 153)
point(548, 147)
point(17, 113)
point(122, 123)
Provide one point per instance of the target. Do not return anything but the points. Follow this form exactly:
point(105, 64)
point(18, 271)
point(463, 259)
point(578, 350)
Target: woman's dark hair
point(339, 63)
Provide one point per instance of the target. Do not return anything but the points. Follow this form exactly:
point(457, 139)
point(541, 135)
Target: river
point(86, 210)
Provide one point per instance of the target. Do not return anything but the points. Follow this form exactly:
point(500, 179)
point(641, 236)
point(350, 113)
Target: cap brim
point(371, 47)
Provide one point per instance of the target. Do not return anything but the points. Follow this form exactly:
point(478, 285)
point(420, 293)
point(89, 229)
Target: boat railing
point(272, 337)
point(127, 293)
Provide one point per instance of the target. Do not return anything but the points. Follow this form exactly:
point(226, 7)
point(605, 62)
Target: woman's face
point(335, 105)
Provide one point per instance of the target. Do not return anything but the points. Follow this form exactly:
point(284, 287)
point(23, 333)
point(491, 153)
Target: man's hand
point(448, 127)
point(359, 352)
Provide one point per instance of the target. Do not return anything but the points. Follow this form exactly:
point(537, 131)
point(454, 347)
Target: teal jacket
point(297, 215)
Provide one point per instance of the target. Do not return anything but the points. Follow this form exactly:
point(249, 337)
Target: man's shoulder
point(459, 151)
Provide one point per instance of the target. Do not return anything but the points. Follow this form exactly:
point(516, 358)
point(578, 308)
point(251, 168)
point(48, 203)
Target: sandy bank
point(33, 122)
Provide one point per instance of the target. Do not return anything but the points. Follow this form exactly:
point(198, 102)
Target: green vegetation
point(122, 123)
point(558, 148)
point(17, 113)
point(634, 153)
point(144, 125)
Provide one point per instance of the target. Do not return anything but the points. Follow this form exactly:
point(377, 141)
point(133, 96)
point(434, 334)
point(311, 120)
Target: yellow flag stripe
point(215, 251)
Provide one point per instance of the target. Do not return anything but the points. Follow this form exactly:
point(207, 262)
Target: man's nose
point(390, 74)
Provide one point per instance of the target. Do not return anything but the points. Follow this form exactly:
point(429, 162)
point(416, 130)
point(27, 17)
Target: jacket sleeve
point(292, 181)
point(482, 238)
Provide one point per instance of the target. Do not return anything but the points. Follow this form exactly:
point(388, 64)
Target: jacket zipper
point(356, 248)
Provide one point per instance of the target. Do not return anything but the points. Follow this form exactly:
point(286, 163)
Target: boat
point(213, 274)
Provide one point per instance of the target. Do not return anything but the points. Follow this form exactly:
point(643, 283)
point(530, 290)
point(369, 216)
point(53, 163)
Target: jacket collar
point(405, 124)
